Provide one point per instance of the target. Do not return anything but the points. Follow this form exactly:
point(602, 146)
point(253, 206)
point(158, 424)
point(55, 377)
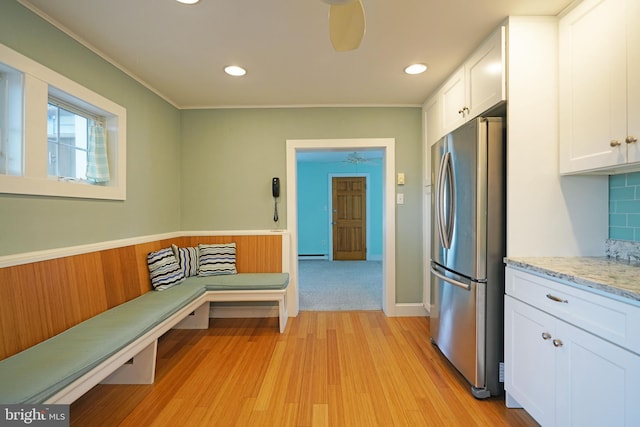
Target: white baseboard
point(409, 310)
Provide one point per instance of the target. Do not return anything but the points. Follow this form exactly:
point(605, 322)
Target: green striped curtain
point(97, 159)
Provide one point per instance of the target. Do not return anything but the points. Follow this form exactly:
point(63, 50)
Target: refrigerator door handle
point(445, 214)
point(444, 221)
point(449, 224)
point(450, 280)
point(438, 199)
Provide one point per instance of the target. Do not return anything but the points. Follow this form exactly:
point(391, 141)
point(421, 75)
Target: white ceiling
point(179, 50)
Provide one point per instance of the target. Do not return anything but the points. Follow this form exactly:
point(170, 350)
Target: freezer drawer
point(457, 323)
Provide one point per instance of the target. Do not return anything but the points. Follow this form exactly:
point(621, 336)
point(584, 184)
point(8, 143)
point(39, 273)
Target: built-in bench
point(118, 345)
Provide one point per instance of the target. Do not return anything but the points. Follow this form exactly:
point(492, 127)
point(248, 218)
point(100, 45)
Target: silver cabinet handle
point(557, 343)
point(557, 299)
point(614, 143)
point(546, 336)
point(630, 139)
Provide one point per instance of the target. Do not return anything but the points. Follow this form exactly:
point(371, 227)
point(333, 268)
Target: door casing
point(387, 145)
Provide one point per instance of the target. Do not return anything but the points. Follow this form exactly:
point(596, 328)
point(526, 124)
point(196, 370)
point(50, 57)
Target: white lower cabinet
point(563, 375)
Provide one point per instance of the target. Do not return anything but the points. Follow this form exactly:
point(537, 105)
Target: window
point(11, 120)
point(69, 132)
point(57, 137)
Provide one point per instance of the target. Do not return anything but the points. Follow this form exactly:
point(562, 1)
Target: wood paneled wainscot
point(41, 299)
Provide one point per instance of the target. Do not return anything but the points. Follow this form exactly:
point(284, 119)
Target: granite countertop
point(608, 275)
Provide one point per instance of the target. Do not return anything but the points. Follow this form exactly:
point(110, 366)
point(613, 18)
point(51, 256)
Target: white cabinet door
point(433, 119)
point(476, 86)
point(599, 86)
point(564, 376)
point(484, 75)
point(633, 67)
point(452, 100)
point(530, 360)
point(597, 382)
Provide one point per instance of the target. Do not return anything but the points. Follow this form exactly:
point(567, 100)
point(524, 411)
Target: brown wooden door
point(349, 218)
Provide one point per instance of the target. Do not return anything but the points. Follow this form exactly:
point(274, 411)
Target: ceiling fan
point(346, 24)
point(358, 159)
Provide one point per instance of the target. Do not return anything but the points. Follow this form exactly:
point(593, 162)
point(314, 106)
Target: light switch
point(400, 198)
point(400, 178)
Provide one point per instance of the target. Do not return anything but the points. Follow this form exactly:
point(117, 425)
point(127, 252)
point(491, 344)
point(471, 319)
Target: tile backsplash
point(624, 207)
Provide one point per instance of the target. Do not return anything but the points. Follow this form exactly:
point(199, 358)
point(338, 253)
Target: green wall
point(29, 223)
point(229, 157)
point(196, 169)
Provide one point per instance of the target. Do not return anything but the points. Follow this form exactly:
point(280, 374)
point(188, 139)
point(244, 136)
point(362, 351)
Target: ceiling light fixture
point(188, 1)
point(415, 69)
point(234, 70)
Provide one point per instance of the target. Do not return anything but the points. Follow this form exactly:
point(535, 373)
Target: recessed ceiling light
point(188, 1)
point(234, 70)
point(415, 69)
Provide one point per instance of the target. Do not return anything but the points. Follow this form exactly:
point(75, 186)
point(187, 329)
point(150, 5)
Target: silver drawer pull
point(557, 343)
point(546, 336)
point(557, 299)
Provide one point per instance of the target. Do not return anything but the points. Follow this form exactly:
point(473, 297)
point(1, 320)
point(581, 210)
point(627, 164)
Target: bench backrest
point(41, 299)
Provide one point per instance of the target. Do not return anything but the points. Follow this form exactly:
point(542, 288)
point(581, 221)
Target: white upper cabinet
point(485, 76)
point(452, 98)
point(599, 87)
point(476, 86)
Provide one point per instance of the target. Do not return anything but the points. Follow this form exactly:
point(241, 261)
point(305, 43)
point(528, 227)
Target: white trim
point(416, 309)
point(44, 255)
point(387, 145)
point(39, 83)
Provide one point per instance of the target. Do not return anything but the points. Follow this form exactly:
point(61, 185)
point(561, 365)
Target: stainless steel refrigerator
point(468, 247)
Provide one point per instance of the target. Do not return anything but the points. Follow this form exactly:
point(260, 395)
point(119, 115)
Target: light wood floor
point(328, 369)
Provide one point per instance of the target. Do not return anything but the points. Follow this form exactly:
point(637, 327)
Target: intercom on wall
point(275, 191)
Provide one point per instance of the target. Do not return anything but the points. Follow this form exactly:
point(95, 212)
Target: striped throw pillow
point(187, 259)
point(164, 270)
point(217, 259)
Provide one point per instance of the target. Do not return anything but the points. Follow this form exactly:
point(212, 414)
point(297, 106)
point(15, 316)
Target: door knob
point(630, 139)
point(614, 143)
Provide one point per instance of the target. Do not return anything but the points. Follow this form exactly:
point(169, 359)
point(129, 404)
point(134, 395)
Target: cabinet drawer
point(612, 320)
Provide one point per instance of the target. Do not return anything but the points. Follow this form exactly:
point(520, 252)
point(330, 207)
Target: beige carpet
point(340, 285)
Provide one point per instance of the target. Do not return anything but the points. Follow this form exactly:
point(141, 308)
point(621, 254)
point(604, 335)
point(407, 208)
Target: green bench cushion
point(243, 282)
point(39, 372)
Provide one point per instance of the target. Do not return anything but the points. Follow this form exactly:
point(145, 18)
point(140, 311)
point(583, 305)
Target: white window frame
point(39, 83)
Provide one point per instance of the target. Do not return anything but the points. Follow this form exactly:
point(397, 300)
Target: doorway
point(387, 146)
